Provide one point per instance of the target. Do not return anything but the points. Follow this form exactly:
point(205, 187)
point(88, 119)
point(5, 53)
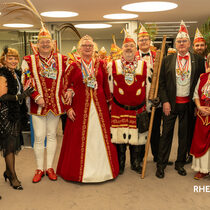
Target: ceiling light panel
point(59, 14)
point(120, 16)
point(18, 25)
point(150, 6)
point(93, 26)
point(177, 22)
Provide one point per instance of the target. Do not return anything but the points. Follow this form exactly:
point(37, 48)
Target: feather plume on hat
point(16, 6)
point(29, 6)
point(65, 26)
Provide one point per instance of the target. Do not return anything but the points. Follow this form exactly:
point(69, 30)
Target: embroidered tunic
point(47, 77)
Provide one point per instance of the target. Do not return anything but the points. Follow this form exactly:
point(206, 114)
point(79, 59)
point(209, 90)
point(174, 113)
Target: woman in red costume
point(201, 139)
point(87, 154)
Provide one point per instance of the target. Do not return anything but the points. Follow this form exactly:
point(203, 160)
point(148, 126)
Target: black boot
point(121, 149)
point(135, 151)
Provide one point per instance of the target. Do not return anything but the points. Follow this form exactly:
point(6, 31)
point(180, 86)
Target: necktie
point(186, 57)
point(145, 54)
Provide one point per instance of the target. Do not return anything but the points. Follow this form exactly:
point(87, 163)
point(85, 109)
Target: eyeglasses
point(182, 41)
point(131, 45)
point(143, 40)
point(43, 43)
point(87, 45)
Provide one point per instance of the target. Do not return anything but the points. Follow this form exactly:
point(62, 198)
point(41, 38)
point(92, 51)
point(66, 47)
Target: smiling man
point(178, 77)
point(44, 71)
point(129, 95)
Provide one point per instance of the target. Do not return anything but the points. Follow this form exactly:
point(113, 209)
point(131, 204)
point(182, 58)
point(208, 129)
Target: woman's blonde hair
point(8, 52)
point(86, 37)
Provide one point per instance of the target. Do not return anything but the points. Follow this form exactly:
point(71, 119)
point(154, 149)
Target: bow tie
point(145, 54)
point(186, 57)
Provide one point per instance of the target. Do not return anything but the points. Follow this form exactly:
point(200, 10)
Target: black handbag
point(142, 121)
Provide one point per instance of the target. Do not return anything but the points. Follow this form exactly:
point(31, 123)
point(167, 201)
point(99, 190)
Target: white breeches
point(45, 126)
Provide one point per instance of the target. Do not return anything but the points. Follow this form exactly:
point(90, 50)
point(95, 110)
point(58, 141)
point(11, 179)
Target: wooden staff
point(154, 76)
point(156, 71)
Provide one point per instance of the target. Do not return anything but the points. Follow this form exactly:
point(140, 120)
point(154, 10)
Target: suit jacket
point(167, 82)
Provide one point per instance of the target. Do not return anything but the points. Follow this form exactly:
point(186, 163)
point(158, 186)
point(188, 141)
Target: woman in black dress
point(11, 100)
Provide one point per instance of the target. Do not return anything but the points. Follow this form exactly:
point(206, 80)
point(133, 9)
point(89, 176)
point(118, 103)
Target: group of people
point(103, 103)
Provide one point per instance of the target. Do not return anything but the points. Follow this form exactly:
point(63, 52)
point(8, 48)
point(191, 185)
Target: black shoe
point(137, 169)
point(160, 173)
point(188, 159)
point(181, 170)
point(16, 187)
point(170, 163)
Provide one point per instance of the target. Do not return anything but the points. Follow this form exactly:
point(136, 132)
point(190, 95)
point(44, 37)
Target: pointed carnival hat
point(183, 32)
point(44, 33)
point(115, 51)
point(73, 55)
point(128, 37)
point(114, 47)
point(102, 51)
point(198, 37)
point(143, 31)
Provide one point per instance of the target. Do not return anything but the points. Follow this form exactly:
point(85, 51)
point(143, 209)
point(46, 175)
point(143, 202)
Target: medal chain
point(88, 70)
point(183, 68)
point(129, 67)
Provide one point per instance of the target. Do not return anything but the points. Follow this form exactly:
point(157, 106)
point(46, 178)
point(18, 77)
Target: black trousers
point(192, 121)
point(181, 111)
point(155, 135)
